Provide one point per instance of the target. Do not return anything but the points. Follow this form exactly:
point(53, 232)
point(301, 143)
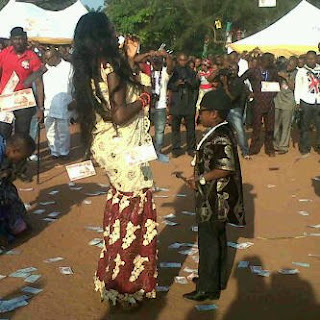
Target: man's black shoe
point(202, 296)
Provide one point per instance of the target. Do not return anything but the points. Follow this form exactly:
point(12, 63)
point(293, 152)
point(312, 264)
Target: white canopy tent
point(45, 26)
point(294, 34)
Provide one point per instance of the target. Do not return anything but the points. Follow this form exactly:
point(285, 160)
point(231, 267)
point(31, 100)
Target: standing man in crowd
point(57, 86)
point(263, 103)
point(183, 85)
point(284, 107)
point(218, 185)
point(17, 58)
point(236, 90)
point(307, 96)
point(161, 72)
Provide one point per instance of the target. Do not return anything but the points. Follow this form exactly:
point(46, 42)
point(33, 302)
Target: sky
point(93, 3)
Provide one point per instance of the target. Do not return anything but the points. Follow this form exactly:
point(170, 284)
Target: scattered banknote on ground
point(241, 246)
point(95, 241)
point(315, 226)
point(87, 202)
point(66, 270)
point(189, 252)
point(81, 170)
point(33, 278)
point(259, 271)
point(26, 189)
point(2, 276)
point(175, 245)
point(169, 216)
point(47, 203)
point(243, 264)
point(289, 271)
point(104, 185)
point(161, 197)
point(235, 225)
point(162, 289)
point(255, 269)
point(39, 211)
point(159, 189)
point(49, 219)
point(13, 252)
point(51, 260)
point(304, 213)
point(305, 200)
point(192, 276)
point(195, 259)
point(12, 304)
point(170, 265)
point(23, 273)
point(170, 223)
point(270, 186)
point(76, 188)
point(206, 307)
point(190, 270)
point(180, 280)
point(188, 213)
point(53, 192)
point(94, 228)
point(54, 214)
point(301, 264)
point(181, 195)
point(31, 290)
point(96, 193)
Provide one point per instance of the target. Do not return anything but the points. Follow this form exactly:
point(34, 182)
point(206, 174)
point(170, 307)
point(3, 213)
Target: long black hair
point(95, 41)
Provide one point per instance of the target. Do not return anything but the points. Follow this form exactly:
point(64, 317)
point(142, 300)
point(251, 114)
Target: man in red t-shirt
point(17, 58)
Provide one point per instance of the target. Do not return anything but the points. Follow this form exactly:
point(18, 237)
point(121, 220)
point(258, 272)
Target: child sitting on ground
point(12, 151)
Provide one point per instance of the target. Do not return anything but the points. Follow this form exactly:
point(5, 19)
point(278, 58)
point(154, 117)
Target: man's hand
point(283, 75)
point(298, 107)
point(180, 82)
point(40, 115)
point(192, 183)
point(224, 80)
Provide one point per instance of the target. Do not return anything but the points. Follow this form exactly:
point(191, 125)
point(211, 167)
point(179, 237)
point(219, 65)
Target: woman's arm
point(121, 111)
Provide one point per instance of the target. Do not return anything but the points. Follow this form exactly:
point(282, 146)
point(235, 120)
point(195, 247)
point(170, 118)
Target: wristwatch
point(202, 180)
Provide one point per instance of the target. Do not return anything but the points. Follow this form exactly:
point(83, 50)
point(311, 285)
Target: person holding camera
point(183, 85)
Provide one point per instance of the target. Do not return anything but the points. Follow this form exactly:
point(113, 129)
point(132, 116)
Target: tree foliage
point(183, 24)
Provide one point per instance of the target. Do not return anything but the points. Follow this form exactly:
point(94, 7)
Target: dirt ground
point(272, 190)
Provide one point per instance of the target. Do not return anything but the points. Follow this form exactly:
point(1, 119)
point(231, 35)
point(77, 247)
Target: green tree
point(183, 24)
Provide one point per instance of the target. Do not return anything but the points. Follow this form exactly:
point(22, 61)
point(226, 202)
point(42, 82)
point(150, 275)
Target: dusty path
point(272, 202)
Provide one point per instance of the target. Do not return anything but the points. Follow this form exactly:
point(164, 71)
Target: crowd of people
point(110, 91)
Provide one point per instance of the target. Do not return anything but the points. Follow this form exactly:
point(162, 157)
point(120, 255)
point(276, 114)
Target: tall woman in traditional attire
point(112, 108)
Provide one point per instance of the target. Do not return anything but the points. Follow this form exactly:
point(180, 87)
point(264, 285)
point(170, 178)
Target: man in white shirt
point(307, 96)
point(160, 76)
point(57, 89)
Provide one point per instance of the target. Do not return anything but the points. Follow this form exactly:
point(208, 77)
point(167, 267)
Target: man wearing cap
point(17, 58)
point(218, 185)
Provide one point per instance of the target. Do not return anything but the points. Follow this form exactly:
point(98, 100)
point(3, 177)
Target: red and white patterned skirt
point(127, 268)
